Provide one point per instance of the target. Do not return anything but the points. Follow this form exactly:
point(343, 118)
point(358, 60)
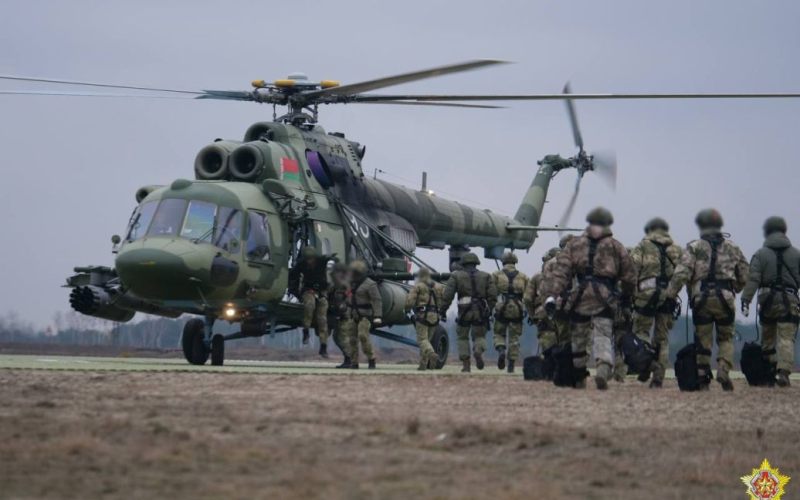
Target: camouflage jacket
point(647, 262)
point(365, 300)
point(460, 283)
point(764, 268)
point(535, 296)
point(338, 303)
point(425, 300)
point(596, 285)
point(509, 295)
point(693, 268)
point(311, 277)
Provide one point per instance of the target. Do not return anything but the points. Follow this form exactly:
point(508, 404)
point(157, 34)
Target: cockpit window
point(140, 220)
point(199, 220)
point(229, 229)
point(168, 218)
point(258, 237)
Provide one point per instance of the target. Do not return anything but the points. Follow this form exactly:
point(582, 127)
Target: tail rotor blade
point(573, 118)
point(605, 165)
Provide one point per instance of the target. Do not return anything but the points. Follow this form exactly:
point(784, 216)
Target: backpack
point(564, 372)
point(686, 368)
point(638, 354)
point(539, 367)
point(756, 368)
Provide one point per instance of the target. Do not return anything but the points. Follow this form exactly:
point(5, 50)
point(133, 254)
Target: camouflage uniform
point(623, 323)
point(599, 262)
point(534, 298)
point(365, 301)
point(308, 280)
point(654, 260)
point(425, 300)
point(477, 295)
point(561, 319)
point(777, 296)
point(340, 316)
point(714, 270)
point(509, 311)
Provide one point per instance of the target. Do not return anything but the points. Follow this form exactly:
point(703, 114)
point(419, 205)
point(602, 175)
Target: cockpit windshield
point(140, 220)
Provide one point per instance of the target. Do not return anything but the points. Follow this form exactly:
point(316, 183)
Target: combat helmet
point(470, 258)
point(309, 252)
point(509, 258)
point(708, 218)
point(424, 274)
point(550, 254)
point(565, 240)
point(359, 269)
point(774, 224)
point(656, 224)
point(600, 217)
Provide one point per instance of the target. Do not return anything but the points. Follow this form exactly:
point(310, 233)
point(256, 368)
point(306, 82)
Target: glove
point(550, 306)
point(410, 315)
point(530, 320)
point(745, 309)
point(377, 322)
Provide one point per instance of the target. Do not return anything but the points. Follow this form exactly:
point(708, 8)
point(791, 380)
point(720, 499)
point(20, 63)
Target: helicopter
point(220, 246)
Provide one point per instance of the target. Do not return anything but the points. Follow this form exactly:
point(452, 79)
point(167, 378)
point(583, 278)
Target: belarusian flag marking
point(290, 170)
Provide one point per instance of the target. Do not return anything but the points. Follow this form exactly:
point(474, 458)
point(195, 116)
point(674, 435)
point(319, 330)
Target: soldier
point(509, 312)
point(623, 323)
point(775, 272)
point(308, 280)
point(367, 307)
point(560, 316)
point(534, 298)
point(714, 270)
point(477, 295)
point(424, 300)
point(340, 316)
point(654, 260)
point(599, 262)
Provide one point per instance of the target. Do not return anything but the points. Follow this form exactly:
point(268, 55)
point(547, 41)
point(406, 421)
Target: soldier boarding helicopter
point(221, 246)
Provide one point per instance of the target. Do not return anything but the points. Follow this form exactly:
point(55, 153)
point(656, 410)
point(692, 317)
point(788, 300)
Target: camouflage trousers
point(663, 324)
point(360, 335)
point(596, 332)
point(463, 337)
point(719, 314)
point(779, 330)
point(343, 331)
point(514, 334)
point(424, 336)
point(315, 311)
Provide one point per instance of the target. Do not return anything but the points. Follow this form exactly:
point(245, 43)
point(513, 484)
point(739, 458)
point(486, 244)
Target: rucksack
point(686, 368)
point(564, 373)
point(539, 367)
point(637, 353)
point(756, 368)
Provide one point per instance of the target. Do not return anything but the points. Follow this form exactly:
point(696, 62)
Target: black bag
point(756, 367)
point(538, 367)
point(638, 354)
point(564, 373)
point(686, 368)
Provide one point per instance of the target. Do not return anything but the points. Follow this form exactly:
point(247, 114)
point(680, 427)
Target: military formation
point(592, 297)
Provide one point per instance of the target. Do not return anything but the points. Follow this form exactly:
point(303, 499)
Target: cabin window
point(258, 239)
point(140, 220)
point(229, 229)
point(168, 218)
point(199, 221)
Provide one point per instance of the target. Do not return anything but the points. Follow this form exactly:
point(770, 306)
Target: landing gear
point(194, 346)
point(441, 345)
point(217, 350)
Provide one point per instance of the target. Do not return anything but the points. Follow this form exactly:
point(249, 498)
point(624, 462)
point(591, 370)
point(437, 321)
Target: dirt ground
point(211, 435)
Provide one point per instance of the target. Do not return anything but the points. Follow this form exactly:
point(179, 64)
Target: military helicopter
point(221, 246)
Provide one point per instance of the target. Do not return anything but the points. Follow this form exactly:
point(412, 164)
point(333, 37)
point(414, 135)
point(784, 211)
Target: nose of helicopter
point(171, 269)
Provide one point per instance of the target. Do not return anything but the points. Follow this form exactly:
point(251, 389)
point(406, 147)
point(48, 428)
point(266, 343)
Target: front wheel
point(441, 344)
point(193, 342)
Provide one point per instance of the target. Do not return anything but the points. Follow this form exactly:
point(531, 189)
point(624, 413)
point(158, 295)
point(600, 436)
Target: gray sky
point(71, 165)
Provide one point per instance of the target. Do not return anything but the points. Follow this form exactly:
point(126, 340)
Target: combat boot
point(433, 360)
point(345, 363)
point(724, 380)
point(644, 376)
point(306, 336)
point(479, 361)
point(371, 364)
point(501, 358)
point(323, 350)
point(353, 366)
point(466, 368)
point(783, 379)
point(601, 379)
point(423, 365)
point(580, 384)
point(510, 366)
point(656, 384)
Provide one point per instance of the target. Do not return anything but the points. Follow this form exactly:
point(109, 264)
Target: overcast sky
point(71, 165)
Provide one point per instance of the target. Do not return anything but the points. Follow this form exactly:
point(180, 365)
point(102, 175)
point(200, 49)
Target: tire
point(194, 347)
point(217, 350)
point(441, 344)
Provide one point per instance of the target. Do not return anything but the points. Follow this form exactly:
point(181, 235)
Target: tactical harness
point(474, 301)
point(508, 297)
point(588, 278)
point(421, 312)
point(712, 285)
point(778, 285)
point(662, 282)
point(357, 308)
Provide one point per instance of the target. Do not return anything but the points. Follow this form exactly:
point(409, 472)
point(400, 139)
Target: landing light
point(430, 192)
point(230, 312)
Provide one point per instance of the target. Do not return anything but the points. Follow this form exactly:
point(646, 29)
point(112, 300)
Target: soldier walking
point(534, 298)
point(308, 280)
point(714, 270)
point(654, 260)
point(340, 316)
point(598, 262)
point(367, 307)
point(424, 301)
point(477, 296)
point(775, 273)
point(509, 311)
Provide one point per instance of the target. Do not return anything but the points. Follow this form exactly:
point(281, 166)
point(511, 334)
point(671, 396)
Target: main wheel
point(441, 344)
point(217, 350)
point(194, 347)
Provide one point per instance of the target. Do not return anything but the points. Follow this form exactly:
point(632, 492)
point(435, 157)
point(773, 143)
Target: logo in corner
point(765, 483)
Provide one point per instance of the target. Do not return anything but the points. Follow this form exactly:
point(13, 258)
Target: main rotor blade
point(94, 84)
point(73, 93)
point(379, 83)
point(572, 97)
point(568, 212)
point(573, 119)
point(432, 103)
point(605, 165)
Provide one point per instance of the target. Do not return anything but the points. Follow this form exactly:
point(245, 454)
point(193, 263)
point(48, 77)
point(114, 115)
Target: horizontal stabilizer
point(542, 228)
